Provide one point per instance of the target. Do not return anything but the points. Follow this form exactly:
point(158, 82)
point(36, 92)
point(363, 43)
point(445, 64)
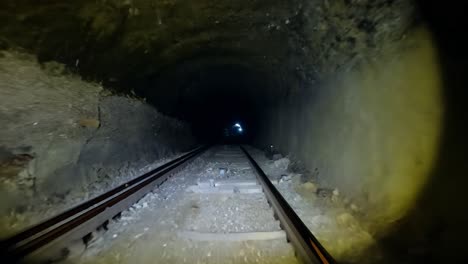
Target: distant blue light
point(240, 130)
point(237, 125)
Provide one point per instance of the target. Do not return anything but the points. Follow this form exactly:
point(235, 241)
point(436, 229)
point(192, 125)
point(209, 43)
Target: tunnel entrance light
point(236, 129)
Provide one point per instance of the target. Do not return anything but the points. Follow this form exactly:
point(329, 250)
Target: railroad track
point(51, 236)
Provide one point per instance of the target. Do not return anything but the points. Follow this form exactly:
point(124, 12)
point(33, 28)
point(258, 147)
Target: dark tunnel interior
point(368, 97)
point(212, 98)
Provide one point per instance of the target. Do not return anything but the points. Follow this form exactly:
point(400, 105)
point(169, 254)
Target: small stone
point(309, 186)
point(54, 68)
point(285, 178)
point(354, 207)
point(89, 123)
point(145, 205)
point(114, 235)
point(324, 192)
point(277, 156)
point(282, 163)
point(345, 220)
point(336, 192)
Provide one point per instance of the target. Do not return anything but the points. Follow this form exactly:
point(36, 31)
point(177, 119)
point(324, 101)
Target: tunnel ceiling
point(170, 48)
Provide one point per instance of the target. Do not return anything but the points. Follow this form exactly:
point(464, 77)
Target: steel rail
point(83, 219)
point(307, 247)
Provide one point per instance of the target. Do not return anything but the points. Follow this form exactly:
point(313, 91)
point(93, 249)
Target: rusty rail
point(76, 223)
point(307, 247)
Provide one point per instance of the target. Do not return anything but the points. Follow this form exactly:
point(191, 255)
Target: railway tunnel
point(363, 97)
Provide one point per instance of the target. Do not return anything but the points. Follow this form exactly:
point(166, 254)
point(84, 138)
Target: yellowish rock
point(354, 207)
point(89, 122)
point(309, 186)
point(346, 220)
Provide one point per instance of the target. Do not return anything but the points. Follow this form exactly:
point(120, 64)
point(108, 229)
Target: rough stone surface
point(296, 43)
point(358, 134)
point(63, 140)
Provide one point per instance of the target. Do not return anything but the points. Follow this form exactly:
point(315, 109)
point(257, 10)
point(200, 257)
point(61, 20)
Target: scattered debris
point(330, 216)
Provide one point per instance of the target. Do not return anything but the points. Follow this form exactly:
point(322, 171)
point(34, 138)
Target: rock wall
point(384, 120)
point(64, 140)
point(373, 132)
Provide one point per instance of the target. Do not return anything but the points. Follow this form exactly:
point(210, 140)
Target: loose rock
point(89, 122)
point(309, 186)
